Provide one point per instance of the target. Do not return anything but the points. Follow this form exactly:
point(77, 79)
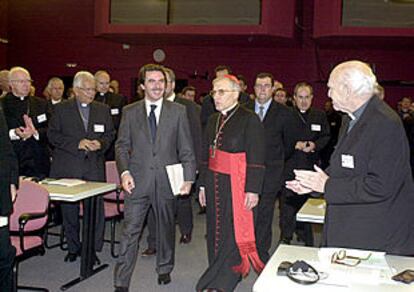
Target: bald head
point(351, 84)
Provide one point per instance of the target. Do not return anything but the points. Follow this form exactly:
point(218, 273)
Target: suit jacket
point(66, 130)
point(316, 129)
point(146, 161)
point(279, 142)
point(8, 168)
point(116, 103)
point(193, 113)
point(207, 109)
point(370, 194)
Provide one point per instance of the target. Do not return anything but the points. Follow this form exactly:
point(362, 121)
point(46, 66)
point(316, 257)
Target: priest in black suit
point(368, 186)
point(80, 132)
point(27, 121)
point(311, 132)
point(277, 120)
point(9, 179)
point(115, 102)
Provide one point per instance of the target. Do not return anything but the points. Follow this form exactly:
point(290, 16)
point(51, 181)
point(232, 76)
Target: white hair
point(81, 77)
point(54, 79)
point(358, 76)
point(234, 85)
point(17, 69)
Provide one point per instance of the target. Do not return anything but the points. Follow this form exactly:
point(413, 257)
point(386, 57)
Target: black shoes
point(164, 279)
point(71, 257)
point(149, 252)
point(185, 238)
point(121, 289)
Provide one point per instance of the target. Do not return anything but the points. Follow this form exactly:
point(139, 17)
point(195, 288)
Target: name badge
point(114, 111)
point(315, 127)
point(98, 128)
point(41, 118)
point(347, 161)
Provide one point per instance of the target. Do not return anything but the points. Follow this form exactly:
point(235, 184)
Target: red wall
point(3, 33)
point(45, 35)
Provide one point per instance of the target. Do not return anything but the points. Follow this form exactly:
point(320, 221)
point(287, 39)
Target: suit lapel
point(92, 113)
point(164, 118)
point(78, 115)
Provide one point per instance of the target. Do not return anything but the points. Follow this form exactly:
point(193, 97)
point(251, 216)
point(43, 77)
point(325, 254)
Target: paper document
point(66, 182)
point(175, 174)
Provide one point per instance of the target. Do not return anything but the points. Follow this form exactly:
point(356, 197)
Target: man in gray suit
point(153, 133)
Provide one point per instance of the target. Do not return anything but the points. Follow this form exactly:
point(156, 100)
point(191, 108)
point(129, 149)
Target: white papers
point(66, 182)
point(175, 174)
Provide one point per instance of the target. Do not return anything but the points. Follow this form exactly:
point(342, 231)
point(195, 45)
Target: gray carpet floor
point(50, 271)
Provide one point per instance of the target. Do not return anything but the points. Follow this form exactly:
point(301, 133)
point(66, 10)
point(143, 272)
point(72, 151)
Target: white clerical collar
point(55, 101)
point(21, 97)
point(224, 112)
point(83, 104)
point(101, 93)
point(171, 97)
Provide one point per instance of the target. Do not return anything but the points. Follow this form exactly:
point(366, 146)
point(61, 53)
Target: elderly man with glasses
point(27, 120)
point(231, 178)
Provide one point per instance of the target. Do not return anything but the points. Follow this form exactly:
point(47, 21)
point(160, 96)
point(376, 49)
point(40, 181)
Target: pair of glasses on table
point(340, 257)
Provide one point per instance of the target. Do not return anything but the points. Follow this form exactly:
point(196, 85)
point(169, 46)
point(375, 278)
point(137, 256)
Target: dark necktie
point(261, 113)
point(153, 122)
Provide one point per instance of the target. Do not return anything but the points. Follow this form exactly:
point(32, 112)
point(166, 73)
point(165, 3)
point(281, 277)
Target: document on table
point(175, 174)
point(66, 182)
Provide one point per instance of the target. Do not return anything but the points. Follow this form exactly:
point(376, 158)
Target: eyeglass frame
point(340, 255)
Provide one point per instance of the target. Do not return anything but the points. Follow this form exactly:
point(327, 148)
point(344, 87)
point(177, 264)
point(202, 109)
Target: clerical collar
point(22, 98)
point(82, 104)
point(229, 109)
point(101, 94)
point(55, 101)
point(171, 97)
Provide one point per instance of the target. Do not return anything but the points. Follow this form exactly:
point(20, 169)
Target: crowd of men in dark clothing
point(74, 140)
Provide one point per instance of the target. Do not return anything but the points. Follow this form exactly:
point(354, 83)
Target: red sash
point(234, 164)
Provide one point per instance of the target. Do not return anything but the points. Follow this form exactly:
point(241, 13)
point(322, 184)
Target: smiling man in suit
point(368, 186)
point(277, 120)
point(154, 133)
point(80, 132)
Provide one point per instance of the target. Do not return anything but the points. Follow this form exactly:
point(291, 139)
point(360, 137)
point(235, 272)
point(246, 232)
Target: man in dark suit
point(115, 101)
point(55, 89)
point(184, 210)
point(277, 120)
point(311, 132)
point(80, 132)
point(27, 120)
point(368, 186)
point(9, 179)
point(4, 83)
point(154, 133)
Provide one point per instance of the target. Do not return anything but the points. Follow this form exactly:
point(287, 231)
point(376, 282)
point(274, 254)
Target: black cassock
point(239, 131)
point(32, 154)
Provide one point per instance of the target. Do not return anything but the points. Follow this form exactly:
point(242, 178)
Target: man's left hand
point(251, 201)
point(94, 145)
point(314, 180)
point(186, 188)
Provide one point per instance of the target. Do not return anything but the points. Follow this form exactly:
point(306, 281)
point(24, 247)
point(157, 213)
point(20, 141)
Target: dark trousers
point(7, 254)
point(71, 224)
point(135, 213)
point(290, 204)
point(184, 213)
point(263, 224)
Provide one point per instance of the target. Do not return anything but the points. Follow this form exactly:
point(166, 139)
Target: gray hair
point(358, 76)
point(81, 77)
point(101, 72)
point(17, 69)
point(233, 82)
point(53, 79)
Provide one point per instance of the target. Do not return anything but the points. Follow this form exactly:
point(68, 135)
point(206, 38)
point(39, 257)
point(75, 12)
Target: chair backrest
point(112, 176)
point(31, 198)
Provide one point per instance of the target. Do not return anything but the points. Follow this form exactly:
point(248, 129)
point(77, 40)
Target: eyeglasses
point(341, 258)
point(91, 90)
point(22, 81)
point(220, 92)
